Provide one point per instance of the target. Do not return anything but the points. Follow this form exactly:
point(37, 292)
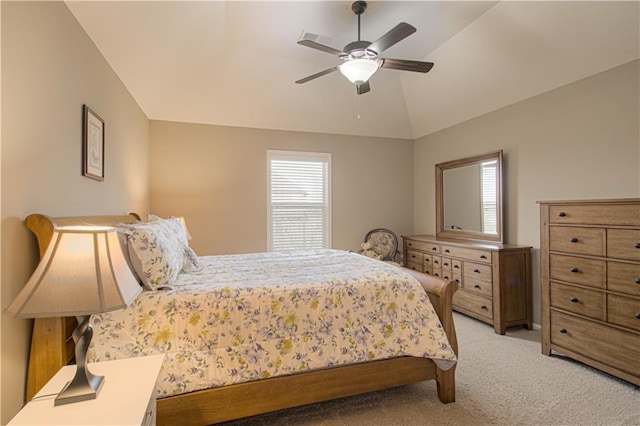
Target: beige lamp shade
point(82, 272)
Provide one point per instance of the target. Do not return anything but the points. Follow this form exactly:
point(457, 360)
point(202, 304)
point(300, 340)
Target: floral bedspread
point(253, 316)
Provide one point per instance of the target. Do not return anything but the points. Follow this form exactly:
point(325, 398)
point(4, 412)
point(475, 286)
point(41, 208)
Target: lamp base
point(84, 385)
point(76, 392)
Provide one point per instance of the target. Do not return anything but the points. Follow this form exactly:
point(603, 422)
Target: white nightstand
point(128, 396)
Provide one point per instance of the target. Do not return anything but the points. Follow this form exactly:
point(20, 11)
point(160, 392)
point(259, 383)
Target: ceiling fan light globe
point(359, 71)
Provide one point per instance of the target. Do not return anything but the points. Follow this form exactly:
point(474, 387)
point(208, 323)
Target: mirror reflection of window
point(489, 204)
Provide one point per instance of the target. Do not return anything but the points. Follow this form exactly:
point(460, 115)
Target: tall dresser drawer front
point(617, 348)
point(579, 300)
point(467, 254)
point(627, 215)
point(477, 304)
point(577, 270)
point(591, 241)
point(414, 256)
point(624, 277)
point(424, 246)
point(477, 271)
point(624, 311)
point(623, 244)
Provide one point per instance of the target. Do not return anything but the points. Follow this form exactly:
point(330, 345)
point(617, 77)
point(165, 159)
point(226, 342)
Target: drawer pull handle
point(484, 307)
point(573, 240)
point(637, 315)
point(447, 251)
point(574, 269)
point(446, 263)
point(637, 245)
point(638, 280)
point(483, 257)
point(574, 300)
point(476, 286)
point(476, 271)
point(434, 248)
point(457, 267)
point(562, 214)
point(457, 280)
point(410, 245)
point(563, 330)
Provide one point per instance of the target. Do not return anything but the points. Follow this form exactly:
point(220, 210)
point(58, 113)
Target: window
point(299, 200)
point(489, 199)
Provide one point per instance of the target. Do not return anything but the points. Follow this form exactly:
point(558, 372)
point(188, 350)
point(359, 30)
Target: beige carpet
point(500, 380)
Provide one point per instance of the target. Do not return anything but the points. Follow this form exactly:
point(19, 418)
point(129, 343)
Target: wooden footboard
point(52, 348)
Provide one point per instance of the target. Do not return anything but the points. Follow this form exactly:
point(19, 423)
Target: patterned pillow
point(175, 229)
point(157, 256)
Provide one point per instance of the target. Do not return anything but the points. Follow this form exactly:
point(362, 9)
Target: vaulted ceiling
point(234, 63)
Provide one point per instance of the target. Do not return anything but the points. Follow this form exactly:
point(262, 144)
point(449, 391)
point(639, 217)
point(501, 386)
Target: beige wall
point(50, 68)
point(577, 142)
point(216, 177)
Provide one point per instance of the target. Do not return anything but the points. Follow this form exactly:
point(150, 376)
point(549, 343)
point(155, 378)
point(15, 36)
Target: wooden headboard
point(52, 346)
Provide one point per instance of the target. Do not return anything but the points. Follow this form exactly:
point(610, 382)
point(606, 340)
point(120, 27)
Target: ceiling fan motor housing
point(359, 49)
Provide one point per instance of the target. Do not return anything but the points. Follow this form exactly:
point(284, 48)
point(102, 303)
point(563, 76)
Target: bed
point(250, 395)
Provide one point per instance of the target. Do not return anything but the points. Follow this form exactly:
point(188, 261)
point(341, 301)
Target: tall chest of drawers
point(590, 279)
point(494, 279)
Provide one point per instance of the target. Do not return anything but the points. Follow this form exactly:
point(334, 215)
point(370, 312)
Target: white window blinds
point(489, 200)
point(299, 200)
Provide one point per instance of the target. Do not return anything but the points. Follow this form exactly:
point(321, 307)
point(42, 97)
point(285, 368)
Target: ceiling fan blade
point(311, 40)
point(316, 75)
point(404, 65)
point(396, 34)
point(363, 88)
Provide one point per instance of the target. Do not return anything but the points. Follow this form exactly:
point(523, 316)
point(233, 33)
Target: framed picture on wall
point(92, 144)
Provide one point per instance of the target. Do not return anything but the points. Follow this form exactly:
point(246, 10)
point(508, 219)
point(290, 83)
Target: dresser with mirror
point(494, 277)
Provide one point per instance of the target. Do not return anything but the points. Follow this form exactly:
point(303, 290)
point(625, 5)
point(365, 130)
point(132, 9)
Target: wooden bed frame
point(52, 348)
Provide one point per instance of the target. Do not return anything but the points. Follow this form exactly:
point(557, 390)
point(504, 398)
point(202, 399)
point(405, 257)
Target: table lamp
point(82, 272)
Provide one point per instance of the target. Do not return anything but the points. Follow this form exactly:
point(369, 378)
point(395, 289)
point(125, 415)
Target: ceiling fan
point(361, 59)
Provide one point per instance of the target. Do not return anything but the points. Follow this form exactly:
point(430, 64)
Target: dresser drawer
point(467, 254)
point(617, 348)
point(624, 277)
point(624, 311)
point(625, 214)
point(590, 303)
point(428, 261)
point(475, 303)
point(446, 275)
point(623, 244)
point(590, 241)
point(577, 270)
point(477, 286)
point(456, 265)
point(477, 271)
point(424, 246)
point(415, 266)
point(414, 256)
point(447, 263)
point(436, 262)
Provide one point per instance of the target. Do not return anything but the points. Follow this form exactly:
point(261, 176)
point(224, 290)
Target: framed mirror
point(469, 198)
